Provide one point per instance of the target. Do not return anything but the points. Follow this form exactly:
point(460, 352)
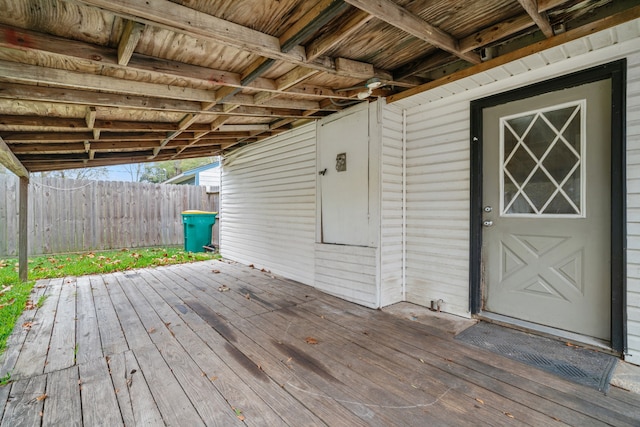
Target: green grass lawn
point(14, 295)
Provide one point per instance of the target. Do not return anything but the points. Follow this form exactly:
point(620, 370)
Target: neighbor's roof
point(103, 82)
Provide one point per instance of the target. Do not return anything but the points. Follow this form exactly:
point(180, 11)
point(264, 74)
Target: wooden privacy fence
point(73, 216)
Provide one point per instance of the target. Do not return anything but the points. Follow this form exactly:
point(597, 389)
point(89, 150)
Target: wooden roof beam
point(401, 18)
point(10, 161)
point(351, 23)
point(541, 19)
point(129, 40)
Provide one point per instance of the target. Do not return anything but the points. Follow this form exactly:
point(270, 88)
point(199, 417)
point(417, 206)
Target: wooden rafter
point(10, 161)
point(541, 19)
point(399, 17)
point(129, 40)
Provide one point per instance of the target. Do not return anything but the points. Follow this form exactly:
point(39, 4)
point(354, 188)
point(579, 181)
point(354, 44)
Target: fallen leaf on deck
point(421, 361)
point(238, 414)
point(223, 288)
point(215, 271)
point(41, 397)
point(509, 415)
point(213, 378)
point(248, 295)
point(27, 325)
point(264, 270)
point(251, 266)
point(480, 400)
point(311, 340)
point(151, 330)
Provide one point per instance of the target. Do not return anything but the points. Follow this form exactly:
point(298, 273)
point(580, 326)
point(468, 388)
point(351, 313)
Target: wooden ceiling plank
point(16, 121)
point(319, 15)
point(183, 19)
point(401, 18)
point(416, 67)
point(75, 147)
point(495, 32)
point(10, 161)
point(242, 128)
point(81, 97)
point(130, 37)
point(585, 30)
point(352, 23)
point(25, 73)
point(285, 82)
point(541, 19)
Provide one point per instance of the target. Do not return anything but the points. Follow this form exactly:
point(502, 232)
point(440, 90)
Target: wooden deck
point(186, 346)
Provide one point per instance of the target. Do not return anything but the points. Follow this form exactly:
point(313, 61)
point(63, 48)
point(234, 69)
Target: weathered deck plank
point(111, 335)
point(62, 346)
point(62, 405)
point(25, 402)
point(33, 356)
point(17, 338)
point(87, 331)
point(230, 384)
point(99, 402)
point(165, 346)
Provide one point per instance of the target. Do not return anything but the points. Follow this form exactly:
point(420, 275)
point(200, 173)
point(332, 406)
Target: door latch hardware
point(322, 172)
point(488, 209)
point(487, 223)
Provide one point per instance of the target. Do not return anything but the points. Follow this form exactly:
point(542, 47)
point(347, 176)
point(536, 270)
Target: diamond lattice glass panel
point(542, 161)
point(520, 124)
point(520, 206)
point(520, 165)
point(510, 190)
point(572, 134)
point(560, 205)
point(558, 118)
point(572, 188)
point(539, 137)
point(539, 189)
point(510, 142)
point(560, 161)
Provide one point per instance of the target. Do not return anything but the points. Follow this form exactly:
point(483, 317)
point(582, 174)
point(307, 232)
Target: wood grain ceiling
point(102, 82)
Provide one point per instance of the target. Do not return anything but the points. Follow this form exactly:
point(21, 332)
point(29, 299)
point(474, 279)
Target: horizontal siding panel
point(391, 255)
point(633, 208)
point(268, 207)
point(348, 272)
point(438, 188)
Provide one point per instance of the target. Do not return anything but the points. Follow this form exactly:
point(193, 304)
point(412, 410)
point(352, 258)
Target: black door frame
point(616, 71)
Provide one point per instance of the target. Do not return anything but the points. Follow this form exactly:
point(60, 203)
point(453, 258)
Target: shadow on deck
point(214, 343)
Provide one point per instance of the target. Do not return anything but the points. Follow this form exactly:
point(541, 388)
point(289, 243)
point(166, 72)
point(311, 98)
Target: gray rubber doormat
point(576, 364)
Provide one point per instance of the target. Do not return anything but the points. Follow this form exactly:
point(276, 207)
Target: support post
point(23, 267)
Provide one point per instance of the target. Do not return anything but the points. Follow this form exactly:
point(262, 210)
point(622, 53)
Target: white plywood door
point(546, 192)
point(343, 163)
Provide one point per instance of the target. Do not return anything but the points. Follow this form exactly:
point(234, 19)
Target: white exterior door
point(546, 197)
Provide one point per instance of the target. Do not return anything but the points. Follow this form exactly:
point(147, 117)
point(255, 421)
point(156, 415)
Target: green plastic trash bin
point(197, 229)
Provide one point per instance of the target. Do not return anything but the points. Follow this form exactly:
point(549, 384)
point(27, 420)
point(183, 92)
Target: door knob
point(487, 223)
point(487, 209)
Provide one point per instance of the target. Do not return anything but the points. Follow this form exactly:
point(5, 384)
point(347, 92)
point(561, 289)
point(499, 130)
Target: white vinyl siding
point(633, 208)
point(438, 186)
point(348, 272)
point(267, 215)
point(391, 211)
